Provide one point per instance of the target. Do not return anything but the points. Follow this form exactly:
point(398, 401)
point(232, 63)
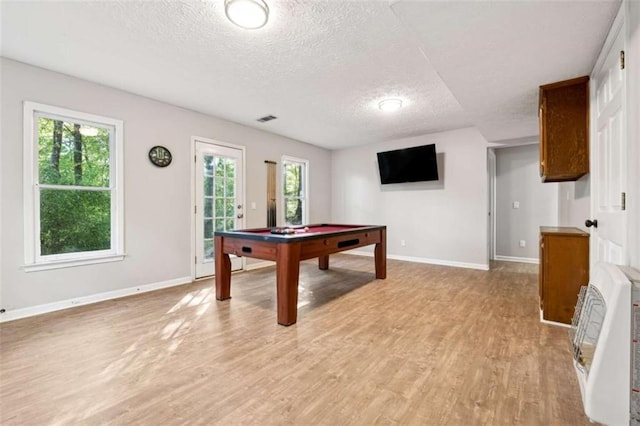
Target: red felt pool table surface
point(311, 229)
point(287, 250)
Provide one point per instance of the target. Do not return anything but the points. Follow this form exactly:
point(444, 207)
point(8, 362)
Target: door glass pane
point(208, 250)
point(208, 228)
point(208, 186)
point(219, 183)
point(230, 188)
point(230, 207)
point(230, 167)
point(208, 165)
point(208, 207)
point(219, 200)
point(219, 166)
point(219, 207)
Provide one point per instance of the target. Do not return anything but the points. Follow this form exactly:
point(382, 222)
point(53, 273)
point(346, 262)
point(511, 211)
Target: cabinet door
point(564, 130)
point(566, 269)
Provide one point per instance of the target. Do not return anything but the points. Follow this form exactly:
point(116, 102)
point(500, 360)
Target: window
point(73, 188)
point(295, 174)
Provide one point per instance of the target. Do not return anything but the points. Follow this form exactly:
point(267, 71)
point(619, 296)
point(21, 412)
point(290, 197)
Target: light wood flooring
point(429, 345)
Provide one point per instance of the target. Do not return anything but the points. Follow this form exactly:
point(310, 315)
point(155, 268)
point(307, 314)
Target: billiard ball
point(306, 229)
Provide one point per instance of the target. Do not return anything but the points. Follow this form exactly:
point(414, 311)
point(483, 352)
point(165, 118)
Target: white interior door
point(219, 200)
point(609, 154)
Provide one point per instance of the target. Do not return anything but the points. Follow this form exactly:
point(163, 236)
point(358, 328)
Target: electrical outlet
point(253, 205)
point(403, 243)
point(516, 204)
point(523, 243)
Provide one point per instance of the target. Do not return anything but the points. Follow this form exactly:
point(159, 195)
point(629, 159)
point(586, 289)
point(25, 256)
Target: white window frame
point(305, 188)
point(34, 260)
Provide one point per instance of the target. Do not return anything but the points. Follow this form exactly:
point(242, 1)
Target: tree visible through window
point(73, 205)
point(75, 198)
point(295, 184)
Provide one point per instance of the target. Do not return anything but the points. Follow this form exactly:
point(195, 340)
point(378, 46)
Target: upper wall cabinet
point(564, 130)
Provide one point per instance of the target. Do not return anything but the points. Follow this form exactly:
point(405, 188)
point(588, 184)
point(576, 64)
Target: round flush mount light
point(390, 105)
point(248, 14)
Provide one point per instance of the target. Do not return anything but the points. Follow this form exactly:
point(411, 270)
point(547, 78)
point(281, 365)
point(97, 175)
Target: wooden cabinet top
point(563, 230)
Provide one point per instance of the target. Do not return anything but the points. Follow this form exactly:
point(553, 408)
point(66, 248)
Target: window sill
point(58, 264)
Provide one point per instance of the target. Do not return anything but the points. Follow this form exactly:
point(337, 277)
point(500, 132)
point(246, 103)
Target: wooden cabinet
point(564, 130)
point(564, 268)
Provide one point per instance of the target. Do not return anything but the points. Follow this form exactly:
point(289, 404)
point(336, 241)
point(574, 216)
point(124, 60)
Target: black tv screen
point(415, 164)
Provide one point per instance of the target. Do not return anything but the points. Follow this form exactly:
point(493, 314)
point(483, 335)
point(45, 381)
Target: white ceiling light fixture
point(390, 105)
point(248, 14)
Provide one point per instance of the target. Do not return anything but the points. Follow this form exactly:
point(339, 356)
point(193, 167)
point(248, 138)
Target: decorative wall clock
point(160, 156)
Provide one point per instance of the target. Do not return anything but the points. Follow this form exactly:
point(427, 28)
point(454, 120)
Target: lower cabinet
point(564, 268)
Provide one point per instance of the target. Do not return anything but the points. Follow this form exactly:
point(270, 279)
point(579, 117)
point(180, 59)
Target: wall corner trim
point(11, 315)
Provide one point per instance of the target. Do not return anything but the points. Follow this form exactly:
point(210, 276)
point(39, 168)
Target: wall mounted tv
point(414, 164)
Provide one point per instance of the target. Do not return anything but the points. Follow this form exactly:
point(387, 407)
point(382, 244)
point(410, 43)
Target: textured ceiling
point(322, 66)
point(494, 55)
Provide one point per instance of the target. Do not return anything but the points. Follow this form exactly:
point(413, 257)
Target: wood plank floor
point(428, 345)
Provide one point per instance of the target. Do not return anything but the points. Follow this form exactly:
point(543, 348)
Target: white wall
point(574, 202)
point(518, 180)
point(440, 222)
point(154, 198)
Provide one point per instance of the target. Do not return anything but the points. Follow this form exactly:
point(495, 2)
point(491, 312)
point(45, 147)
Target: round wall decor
point(160, 156)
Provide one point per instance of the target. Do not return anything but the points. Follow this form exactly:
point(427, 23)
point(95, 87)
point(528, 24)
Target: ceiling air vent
point(267, 118)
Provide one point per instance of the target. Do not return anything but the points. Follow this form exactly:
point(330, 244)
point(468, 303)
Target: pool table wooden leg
point(223, 272)
point(380, 254)
point(323, 262)
point(288, 270)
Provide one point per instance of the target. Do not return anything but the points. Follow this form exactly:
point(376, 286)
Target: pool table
point(287, 249)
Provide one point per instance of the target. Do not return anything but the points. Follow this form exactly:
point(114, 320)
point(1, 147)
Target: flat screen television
point(414, 164)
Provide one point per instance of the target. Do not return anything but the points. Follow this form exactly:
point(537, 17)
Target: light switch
point(516, 204)
point(253, 205)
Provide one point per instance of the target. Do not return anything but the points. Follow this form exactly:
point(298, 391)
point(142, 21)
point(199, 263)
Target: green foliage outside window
point(219, 199)
point(74, 177)
point(293, 192)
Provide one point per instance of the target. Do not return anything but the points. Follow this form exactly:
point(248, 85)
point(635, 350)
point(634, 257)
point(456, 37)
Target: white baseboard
point(559, 324)
point(259, 265)
point(15, 314)
point(479, 266)
point(517, 259)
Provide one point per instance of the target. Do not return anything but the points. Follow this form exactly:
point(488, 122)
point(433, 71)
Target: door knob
point(589, 223)
point(240, 216)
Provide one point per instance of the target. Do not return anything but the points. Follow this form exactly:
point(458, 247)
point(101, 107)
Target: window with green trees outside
point(75, 194)
point(295, 184)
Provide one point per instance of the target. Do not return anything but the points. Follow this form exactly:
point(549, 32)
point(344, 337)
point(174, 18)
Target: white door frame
point(491, 170)
point(192, 215)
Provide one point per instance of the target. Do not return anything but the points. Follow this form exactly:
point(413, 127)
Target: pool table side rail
point(258, 234)
point(328, 243)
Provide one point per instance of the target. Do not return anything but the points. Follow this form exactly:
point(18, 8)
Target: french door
point(609, 153)
point(219, 199)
